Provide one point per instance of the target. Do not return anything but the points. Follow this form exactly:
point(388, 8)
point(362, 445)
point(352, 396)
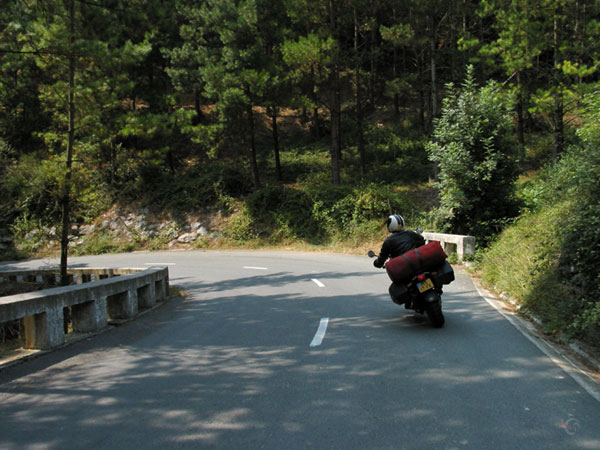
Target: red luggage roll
point(402, 268)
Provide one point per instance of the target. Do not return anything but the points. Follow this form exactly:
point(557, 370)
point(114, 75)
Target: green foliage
point(241, 229)
point(283, 213)
point(199, 187)
point(549, 259)
point(524, 252)
point(306, 164)
point(97, 245)
point(33, 188)
point(474, 151)
point(309, 55)
point(33, 185)
point(350, 212)
point(29, 234)
point(315, 214)
point(395, 159)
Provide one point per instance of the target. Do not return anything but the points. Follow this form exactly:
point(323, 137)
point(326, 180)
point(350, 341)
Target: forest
point(305, 123)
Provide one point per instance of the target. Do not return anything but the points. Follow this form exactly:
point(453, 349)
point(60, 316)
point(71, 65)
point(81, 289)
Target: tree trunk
point(253, 163)
point(520, 123)
point(558, 113)
point(316, 124)
point(421, 67)
point(199, 115)
point(335, 108)
point(520, 118)
point(275, 131)
point(433, 80)
point(335, 111)
point(66, 197)
point(359, 109)
point(558, 134)
point(373, 35)
point(395, 72)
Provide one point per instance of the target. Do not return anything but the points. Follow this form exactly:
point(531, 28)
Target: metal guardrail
point(108, 294)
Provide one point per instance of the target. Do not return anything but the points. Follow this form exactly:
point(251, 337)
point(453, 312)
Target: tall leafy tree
point(546, 47)
point(73, 46)
point(21, 115)
point(230, 53)
point(471, 144)
point(397, 35)
point(317, 57)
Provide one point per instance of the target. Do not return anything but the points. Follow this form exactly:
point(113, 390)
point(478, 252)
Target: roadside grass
point(524, 253)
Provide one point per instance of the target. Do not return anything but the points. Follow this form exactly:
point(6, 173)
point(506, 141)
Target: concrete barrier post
point(468, 246)
point(89, 316)
point(146, 296)
point(45, 330)
point(123, 305)
point(160, 288)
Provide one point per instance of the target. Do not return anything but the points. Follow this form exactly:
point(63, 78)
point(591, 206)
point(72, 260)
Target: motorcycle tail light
point(421, 277)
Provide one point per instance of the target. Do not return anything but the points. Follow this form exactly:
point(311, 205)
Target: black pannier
point(399, 293)
point(443, 274)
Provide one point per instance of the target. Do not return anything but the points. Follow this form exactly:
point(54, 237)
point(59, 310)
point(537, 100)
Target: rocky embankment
point(126, 229)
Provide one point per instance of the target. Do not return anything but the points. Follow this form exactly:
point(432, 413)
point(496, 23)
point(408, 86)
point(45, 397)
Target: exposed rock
point(87, 229)
point(129, 225)
point(173, 234)
point(187, 238)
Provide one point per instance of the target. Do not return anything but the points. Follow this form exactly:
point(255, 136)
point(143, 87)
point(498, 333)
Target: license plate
point(425, 285)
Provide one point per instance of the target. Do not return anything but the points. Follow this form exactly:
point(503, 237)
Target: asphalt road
point(282, 350)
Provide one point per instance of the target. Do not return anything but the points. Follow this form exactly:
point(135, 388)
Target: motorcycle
point(423, 292)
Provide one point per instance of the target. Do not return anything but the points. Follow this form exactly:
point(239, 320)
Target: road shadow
point(227, 367)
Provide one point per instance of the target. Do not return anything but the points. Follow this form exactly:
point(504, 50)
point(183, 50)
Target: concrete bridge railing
point(100, 295)
point(453, 243)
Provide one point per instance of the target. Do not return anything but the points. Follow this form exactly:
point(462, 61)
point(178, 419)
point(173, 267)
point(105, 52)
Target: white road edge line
point(568, 366)
point(317, 282)
point(320, 334)
point(255, 268)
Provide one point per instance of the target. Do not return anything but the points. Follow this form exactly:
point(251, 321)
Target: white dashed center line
point(318, 283)
point(255, 268)
point(320, 334)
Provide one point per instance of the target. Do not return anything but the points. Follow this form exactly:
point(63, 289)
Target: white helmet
point(395, 223)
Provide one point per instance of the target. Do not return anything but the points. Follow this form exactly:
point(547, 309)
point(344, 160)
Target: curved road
point(277, 350)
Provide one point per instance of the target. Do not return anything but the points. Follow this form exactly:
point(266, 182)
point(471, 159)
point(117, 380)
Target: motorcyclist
point(399, 242)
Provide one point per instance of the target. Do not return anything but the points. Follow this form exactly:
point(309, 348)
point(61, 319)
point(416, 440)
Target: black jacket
point(397, 243)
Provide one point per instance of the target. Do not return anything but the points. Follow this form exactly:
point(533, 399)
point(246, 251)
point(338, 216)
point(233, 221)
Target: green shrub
point(347, 212)
point(200, 186)
point(283, 213)
point(33, 188)
point(305, 163)
point(97, 245)
point(29, 234)
point(241, 229)
point(394, 159)
point(474, 150)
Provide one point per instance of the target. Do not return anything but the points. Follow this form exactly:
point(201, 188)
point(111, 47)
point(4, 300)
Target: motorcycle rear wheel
point(434, 312)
